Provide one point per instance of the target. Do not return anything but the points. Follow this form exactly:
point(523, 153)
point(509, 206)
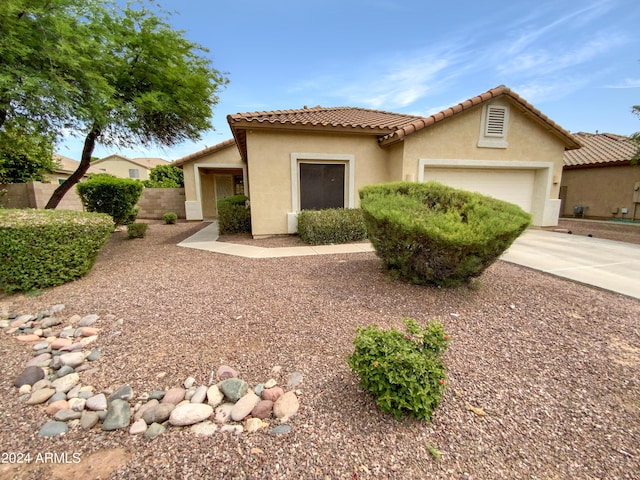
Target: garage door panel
point(511, 185)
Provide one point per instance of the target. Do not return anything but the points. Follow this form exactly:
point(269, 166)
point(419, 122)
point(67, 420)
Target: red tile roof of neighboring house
point(388, 127)
point(600, 149)
point(206, 151)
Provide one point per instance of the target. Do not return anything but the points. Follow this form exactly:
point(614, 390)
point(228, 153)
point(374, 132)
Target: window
point(494, 126)
point(134, 173)
point(322, 185)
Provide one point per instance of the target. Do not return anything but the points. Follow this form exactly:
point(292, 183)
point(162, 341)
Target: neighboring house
point(123, 167)
point(313, 158)
point(598, 180)
point(66, 166)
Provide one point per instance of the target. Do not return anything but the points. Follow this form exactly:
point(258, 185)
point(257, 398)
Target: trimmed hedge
point(428, 233)
point(333, 225)
point(234, 215)
point(115, 196)
point(44, 248)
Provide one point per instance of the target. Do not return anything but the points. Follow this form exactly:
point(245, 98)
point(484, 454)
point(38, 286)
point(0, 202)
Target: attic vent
point(496, 119)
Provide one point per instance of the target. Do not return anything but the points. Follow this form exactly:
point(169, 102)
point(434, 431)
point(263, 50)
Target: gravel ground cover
point(543, 374)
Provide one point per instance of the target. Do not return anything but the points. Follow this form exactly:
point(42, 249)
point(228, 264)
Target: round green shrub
point(428, 233)
point(234, 215)
point(404, 371)
point(114, 196)
point(137, 230)
point(44, 248)
point(170, 218)
point(331, 226)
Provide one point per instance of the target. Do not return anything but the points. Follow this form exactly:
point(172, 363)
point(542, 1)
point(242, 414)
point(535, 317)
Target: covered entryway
point(216, 184)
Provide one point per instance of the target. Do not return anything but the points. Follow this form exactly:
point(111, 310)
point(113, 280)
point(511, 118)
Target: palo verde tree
point(148, 84)
point(25, 153)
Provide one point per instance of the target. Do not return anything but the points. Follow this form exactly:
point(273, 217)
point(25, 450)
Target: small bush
point(137, 230)
point(428, 233)
point(170, 218)
point(334, 225)
point(404, 371)
point(114, 196)
point(234, 215)
point(44, 248)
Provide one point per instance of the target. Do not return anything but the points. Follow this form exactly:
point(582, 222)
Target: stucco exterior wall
point(269, 159)
point(226, 156)
point(602, 189)
point(457, 138)
point(119, 167)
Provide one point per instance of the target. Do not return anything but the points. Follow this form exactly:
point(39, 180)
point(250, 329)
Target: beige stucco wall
point(226, 156)
point(118, 167)
point(457, 138)
point(269, 159)
point(602, 190)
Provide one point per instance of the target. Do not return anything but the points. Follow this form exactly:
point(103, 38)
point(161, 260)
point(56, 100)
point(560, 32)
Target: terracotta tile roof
point(600, 149)
point(206, 151)
point(387, 126)
point(526, 107)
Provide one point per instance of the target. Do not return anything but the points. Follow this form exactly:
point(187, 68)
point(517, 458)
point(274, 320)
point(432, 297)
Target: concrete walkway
point(606, 264)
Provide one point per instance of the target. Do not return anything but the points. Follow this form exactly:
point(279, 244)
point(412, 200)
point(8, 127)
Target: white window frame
point(134, 173)
point(487, 138)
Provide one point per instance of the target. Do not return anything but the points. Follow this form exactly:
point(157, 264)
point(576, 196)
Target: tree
point(636, 137)
point(152, 86)
point(25, 154)
point(42, 61)
point(165, 176)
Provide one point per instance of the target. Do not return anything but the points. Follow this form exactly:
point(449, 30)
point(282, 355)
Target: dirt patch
point(624, 353)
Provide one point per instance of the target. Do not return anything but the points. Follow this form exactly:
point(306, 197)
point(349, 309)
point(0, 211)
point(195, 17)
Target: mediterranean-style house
point(123, 167)
point(598, 181)
point(286, 161)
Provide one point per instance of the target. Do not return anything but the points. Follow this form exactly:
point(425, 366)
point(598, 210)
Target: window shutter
point(496, 116)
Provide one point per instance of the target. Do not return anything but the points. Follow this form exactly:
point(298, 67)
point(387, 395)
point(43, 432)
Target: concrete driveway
point(601, 263)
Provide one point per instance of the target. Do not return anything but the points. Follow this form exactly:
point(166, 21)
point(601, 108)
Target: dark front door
point(321, 186)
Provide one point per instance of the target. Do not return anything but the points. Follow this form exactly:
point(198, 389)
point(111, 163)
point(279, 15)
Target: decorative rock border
point(61, 353)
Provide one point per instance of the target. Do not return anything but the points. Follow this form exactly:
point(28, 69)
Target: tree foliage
point(165, 176)
point(114, 75)
point(636, 138)
point(25, 154)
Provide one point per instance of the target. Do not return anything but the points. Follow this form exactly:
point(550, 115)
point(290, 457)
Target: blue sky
point(577, 61)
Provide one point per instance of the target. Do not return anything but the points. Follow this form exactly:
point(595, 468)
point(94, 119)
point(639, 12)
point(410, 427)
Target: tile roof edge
point(205, 151)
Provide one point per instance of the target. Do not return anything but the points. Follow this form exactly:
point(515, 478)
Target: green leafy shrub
point(428, 233)
point(234, 215)
point(170, 218)
point(165, 176)
point(333, 225)
point(44, 248)
point(137, 230)
point(404, 371)
point(111, 195)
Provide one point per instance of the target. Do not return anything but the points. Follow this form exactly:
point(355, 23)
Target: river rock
point(263, 409)
point(243, 407)
point(190, 413)
point(199, 395)
point(153, 431)
point(88, 320)
point(77, 404)
point(72, 359)
point(295, 379)
point(94, 355)
point(286, 406)
point(66, 383)
point(53, 429)
point(40, 345)
point(223, 412)
point(281, 429)
point(97, 402)
point(118, 415)
point(147, 406)
point(174, 395)
point(50, 322)
point(122, 393)
point(64, 370)
point(235, 429)
point(204, 429)
point(224, 372)
point(138, 427)
point(59, 343)
point(40, 396)
point(55, 407)
point(233, 388)
point(28, 338)
point(159, 413)
point(214, 396)
point(29, 376)
point(44, 383)
point(41, 360)
point(189, 382)
point(272, 382)
point(89, 419)
point(272, 394)
point(254, 424)
point(66, 414)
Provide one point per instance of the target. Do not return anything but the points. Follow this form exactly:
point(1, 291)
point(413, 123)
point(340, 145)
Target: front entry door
point(321, 186)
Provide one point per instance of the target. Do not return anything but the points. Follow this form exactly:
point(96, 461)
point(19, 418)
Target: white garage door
point(511, 185)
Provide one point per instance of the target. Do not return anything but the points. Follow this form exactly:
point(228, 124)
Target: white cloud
point(626, 83)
